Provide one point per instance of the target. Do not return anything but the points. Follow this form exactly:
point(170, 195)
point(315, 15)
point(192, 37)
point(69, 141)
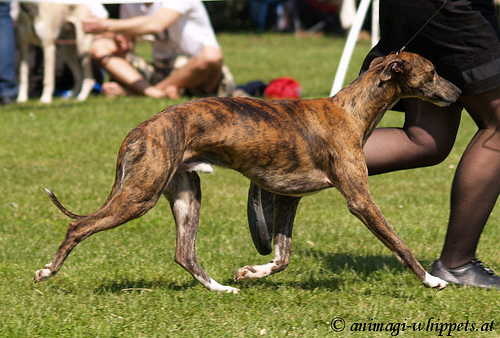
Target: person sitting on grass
point(186, 53)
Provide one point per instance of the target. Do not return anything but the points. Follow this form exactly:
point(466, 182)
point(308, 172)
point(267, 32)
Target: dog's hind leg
point(140, 180)
point(88, 81)
point(123, 207)
point(84, 43)
point(71, 60)
point(285, 208)
point(184, 195)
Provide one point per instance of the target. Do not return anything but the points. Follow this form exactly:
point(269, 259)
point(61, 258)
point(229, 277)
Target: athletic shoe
point(473, 273)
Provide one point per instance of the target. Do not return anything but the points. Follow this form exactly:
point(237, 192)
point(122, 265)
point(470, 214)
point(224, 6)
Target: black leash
point(423, 26)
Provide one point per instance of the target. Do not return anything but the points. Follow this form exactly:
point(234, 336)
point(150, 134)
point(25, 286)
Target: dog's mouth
point(447, 100)
point(440, 101)
point(443, 99)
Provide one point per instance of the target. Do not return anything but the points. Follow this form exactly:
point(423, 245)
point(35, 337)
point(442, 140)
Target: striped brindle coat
point(291, 148)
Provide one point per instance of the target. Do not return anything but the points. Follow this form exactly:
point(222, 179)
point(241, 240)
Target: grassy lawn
point(124, 282)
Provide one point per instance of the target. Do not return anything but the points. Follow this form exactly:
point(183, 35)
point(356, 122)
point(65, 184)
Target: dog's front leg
point(285, 208)
point(88, 81)
point(49, 71)
point(84, 44)
point(360, 203)
point(71, 60)
point(184, 196)
point(22, 94)
point(80, 65)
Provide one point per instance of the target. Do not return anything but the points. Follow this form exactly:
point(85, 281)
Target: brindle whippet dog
point(291, 148)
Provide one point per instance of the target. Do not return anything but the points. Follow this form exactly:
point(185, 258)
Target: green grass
point(124, 282)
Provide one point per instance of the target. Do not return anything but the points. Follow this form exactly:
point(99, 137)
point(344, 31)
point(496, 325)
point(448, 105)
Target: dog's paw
point(43, 274)
point(434, 282)
point(219, 288)
point(251, 273)
point(46, 97)
point(228, 289)
point(22, 99)
point(244, 273)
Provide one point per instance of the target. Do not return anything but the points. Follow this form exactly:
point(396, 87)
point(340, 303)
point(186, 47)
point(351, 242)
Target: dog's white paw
point(198, 166)
point(434, 282)
point(87, 86)
point(252, 273)
point(46, 98)
point(22, 98)
point(214, 286)
point(228, 289)
point(43, 274)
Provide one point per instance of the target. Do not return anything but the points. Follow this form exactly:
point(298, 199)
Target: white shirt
point(97, 9)
point(186, 36)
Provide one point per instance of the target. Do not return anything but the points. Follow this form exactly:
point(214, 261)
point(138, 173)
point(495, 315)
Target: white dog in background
point(41, 24)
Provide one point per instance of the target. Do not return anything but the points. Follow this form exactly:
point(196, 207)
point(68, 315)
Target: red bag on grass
point(283, 88)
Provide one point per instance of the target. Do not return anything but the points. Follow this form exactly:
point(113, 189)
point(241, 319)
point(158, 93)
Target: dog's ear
point(394, 67)
point(377, 61)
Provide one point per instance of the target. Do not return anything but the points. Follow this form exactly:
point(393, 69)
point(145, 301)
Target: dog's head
point(416, 77)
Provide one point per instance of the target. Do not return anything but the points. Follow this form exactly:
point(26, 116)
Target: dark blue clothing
point(8, 84)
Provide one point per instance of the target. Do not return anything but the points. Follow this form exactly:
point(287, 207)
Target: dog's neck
point(369, 105)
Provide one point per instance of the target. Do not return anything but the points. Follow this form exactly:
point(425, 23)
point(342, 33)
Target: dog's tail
point(59, 206)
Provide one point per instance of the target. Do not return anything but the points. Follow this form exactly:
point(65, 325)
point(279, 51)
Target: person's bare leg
point(203, 70)
point(127, 77)
point(114, 89)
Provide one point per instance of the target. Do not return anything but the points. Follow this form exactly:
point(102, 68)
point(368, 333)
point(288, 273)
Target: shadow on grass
point(363, 266)
point(342, 268)
point(141, 285)
point(44, 107)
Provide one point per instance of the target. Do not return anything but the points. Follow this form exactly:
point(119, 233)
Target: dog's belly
point(295, 183)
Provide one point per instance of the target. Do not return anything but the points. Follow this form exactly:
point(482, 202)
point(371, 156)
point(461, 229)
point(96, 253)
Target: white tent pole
point(375, 22)
point(349, 46)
